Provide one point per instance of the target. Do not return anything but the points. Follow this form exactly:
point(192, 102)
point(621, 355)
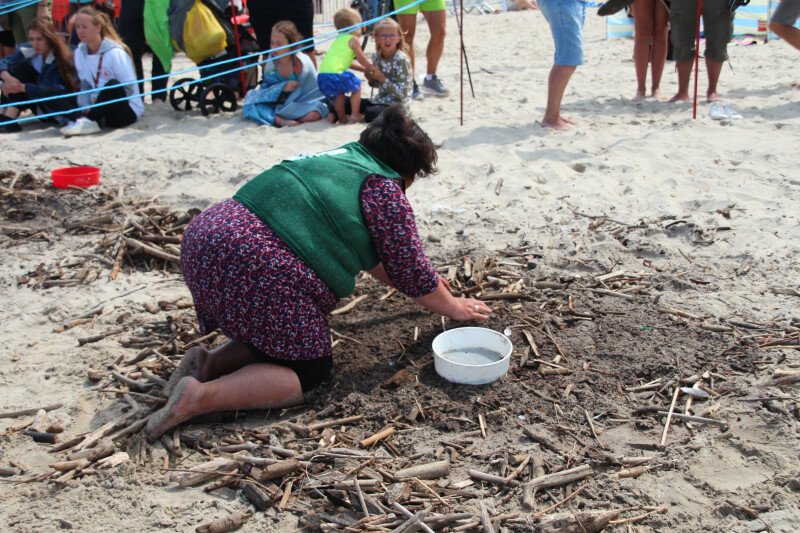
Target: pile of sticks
point(137, 234)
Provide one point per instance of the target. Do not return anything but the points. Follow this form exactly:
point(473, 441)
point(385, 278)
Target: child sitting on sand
point(335, 80)
point(392, 75)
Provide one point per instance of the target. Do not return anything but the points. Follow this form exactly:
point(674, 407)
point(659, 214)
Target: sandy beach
point(655, 249)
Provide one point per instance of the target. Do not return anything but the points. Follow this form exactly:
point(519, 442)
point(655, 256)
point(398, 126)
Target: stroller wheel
point(217, 98)
point(183, 93)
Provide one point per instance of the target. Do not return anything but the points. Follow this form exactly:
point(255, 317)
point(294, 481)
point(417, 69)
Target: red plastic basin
point(75, 176)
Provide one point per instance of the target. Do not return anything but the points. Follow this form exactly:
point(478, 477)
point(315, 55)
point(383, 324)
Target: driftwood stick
point(412, 524)
point(408, 514)
point(256, 495)
point(151, 250)
point(280, 469)
point(552, 480)
point(491, 478)
point(433, 470)
point(33, 411)
point(561, 502)
point(669, 415)
point(319, 426)
point(385, 433)
point(223, 525)
point(486, 520)
point(350, 305)
point(206, 471)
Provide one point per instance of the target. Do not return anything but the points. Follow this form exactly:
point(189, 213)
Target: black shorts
point(265, 13)
point(7, 39)
point(314, 374)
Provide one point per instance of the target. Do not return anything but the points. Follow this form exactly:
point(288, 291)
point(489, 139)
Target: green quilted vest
point(313, 203)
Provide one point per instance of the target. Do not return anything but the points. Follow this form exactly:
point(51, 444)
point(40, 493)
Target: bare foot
point(640, 96)
point(356, 118)
point(656, 93)
point(680, 97)
point(569, 121)
point(192, 364)
point(558, 124)
point(713, 97)
point(283, 122)
point(176, 411)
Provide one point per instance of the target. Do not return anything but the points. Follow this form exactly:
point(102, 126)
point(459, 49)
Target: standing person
point(565, 18)
point(21, 18)
point(36, 70)
point(131, 29)
point(435, 13)
point(335, 78)
point(392, 75)
point(783, 22)
point(650, 18)
point(288, 94)
point(7, 43)
point(264, 14)
point(717, 29)
point(103, 62)
point(269, 265)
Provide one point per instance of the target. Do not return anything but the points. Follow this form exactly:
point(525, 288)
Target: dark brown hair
point(60, 50)
point(399, 142)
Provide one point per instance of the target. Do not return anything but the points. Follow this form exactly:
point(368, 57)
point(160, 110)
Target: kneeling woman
point(103, 62)
point(40, 69)
point(269, 265)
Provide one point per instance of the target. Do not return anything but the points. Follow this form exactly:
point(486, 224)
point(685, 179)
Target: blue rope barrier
point(312, 40)
point(4, 8)
point(322, 38)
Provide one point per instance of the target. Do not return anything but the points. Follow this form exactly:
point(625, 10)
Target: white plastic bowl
point(471, 356)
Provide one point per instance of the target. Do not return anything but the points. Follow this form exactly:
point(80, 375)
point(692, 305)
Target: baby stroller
point(209, 31)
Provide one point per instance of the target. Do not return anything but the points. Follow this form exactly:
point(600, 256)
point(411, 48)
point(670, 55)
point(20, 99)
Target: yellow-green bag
point(203, 35)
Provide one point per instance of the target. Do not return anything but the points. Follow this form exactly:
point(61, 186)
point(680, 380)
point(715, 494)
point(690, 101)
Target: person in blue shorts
point(565, 18)
point(783, 22)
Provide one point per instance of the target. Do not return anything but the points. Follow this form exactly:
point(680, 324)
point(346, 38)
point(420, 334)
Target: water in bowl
point(473, 356)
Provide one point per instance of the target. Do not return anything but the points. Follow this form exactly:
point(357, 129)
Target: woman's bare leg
point(255, 386)
point(408, 23)
point(643, 20)
point(660, 46)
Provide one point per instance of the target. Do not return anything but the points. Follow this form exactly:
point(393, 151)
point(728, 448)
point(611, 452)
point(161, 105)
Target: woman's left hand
point(470, 309)
point(291, 86)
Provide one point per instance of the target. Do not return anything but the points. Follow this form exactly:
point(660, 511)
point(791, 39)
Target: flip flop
point(613, 6)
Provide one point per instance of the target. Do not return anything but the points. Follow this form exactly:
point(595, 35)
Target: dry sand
point(710, 207)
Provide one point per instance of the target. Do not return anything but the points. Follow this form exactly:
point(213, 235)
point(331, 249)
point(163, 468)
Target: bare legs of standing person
point(556, 85)
point(684, 68)
point(650, 19)
point(437, 26)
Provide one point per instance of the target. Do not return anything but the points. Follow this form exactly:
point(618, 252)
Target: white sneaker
point(82, 126)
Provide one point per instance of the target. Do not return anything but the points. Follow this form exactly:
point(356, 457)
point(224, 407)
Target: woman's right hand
point(470, 309)
point(291, 86)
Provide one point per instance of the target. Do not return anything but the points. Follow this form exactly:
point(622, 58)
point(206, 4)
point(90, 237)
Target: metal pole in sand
point(697, 58)
point(461, 59)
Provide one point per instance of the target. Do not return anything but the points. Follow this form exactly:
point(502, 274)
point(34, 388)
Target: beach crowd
point(90, 75)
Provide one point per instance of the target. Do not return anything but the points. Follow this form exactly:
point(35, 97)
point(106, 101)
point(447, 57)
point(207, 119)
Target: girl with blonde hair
point(288, 94)
point(105, 66)
point(392, 75)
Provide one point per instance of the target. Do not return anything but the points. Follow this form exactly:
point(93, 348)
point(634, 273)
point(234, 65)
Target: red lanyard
point(99, 68)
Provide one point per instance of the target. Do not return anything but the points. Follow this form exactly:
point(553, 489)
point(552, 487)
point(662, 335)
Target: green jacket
point(313, 203)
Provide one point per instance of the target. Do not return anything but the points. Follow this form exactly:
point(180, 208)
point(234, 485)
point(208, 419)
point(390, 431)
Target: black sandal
point(613, 6)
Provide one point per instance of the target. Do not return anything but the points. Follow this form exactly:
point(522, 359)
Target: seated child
point(335, 80)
